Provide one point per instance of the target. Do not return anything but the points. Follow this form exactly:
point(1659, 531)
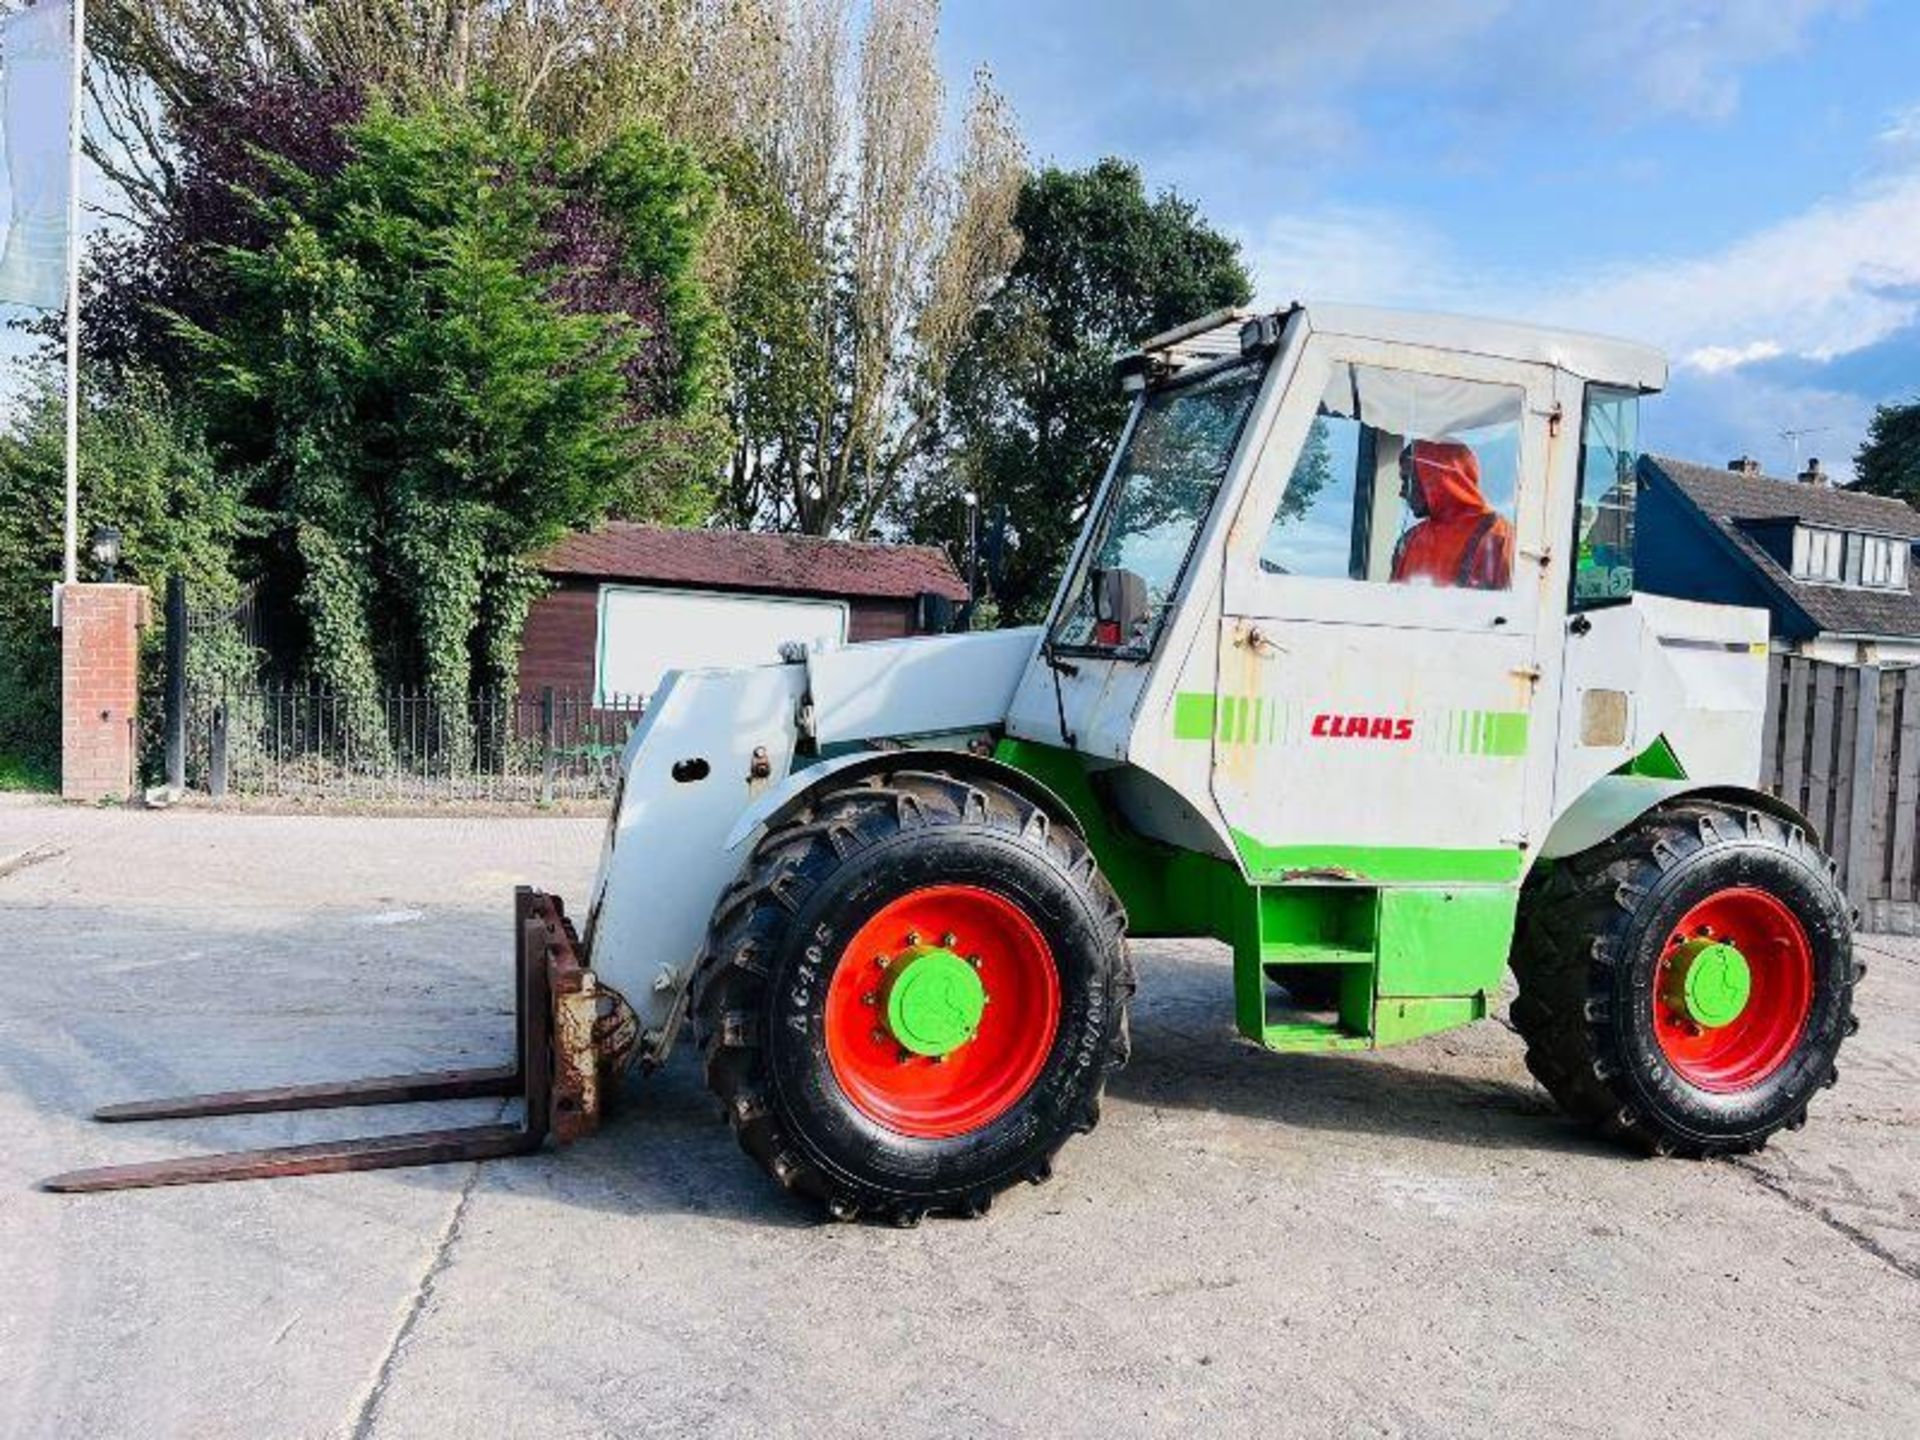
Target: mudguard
point(776, 803)
point(1614, 802)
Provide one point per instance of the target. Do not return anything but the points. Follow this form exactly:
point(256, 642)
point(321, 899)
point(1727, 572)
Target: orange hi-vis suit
point(1463, 543)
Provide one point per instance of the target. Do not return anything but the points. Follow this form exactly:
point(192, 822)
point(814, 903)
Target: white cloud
point(1712, 359)
point(1372, 255)
point(1147, 67)
point(1902, 133)
point(1839, 277)
point(1836, 278)
point(1714, 417)
point(1833, 279)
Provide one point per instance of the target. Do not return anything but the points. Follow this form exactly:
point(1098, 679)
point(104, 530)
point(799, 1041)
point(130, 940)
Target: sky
point(1735, 181)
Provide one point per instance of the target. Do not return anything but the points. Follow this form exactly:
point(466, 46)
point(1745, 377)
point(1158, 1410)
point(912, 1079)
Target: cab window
point(1164, 484)
point(1404, 479)
point(1609, 487)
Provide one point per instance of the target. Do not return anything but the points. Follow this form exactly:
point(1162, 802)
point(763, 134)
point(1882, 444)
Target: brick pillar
point(99, 688)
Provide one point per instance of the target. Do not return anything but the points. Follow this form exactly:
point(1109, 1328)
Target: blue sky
point(1737, 181)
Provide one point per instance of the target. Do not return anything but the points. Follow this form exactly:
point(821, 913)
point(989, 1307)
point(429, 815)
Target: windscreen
point(1164, 485)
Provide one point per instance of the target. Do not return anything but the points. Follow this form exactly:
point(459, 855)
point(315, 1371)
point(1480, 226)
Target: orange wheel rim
point(992, 1036)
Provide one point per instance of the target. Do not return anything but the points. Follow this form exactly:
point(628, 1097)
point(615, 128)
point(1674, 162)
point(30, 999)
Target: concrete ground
point(1404, 1244)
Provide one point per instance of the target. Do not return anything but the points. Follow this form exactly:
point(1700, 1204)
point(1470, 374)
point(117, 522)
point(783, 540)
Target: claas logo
point(1363, 727)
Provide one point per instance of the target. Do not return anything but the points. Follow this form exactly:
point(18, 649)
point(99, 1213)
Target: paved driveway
point(1403, 1244)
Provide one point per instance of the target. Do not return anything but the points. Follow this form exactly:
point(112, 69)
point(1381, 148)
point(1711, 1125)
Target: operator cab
point(1332, 522)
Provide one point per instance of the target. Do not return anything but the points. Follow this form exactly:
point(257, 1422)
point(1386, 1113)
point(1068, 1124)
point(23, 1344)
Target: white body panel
point(920, 686)
point(664, 862)
point(1695, 674)
point(1312, 654)
point(644, 633)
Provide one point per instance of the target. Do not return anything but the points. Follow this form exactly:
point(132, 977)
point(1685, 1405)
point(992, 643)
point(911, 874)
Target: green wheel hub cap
point(934, 1000)
point(1709, 983)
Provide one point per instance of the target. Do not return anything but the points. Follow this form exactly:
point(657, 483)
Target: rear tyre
point(911, 997)
point(1686, 986)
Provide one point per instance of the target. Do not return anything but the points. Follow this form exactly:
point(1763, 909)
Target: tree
point(871, 259)
point(1032, 412)
point(145, 471)
point(1889, 458)
point(459, 344)
point(853, 241)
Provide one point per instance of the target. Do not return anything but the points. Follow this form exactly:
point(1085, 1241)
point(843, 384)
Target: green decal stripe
point(1193, 715)
point(1507, 732)
point(1383, 863)
point(1500, 733)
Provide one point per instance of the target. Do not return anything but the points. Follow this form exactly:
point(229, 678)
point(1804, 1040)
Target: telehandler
point(1347, 671)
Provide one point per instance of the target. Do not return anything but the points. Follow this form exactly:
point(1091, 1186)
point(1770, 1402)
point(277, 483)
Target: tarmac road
point(1410, 1243)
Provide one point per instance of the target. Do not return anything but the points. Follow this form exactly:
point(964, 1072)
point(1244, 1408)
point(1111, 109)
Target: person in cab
point(1458, 540)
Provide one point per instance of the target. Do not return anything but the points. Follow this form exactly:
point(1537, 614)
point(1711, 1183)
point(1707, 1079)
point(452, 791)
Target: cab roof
point(1592, 357)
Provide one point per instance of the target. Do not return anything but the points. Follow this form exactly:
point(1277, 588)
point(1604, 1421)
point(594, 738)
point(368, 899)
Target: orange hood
point(1448, 474)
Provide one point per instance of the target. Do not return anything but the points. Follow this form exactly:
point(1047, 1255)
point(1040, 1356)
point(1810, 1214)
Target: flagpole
point(74, 117)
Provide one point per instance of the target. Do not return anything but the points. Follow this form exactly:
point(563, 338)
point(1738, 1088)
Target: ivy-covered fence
point(225, 720)
point(297, 742)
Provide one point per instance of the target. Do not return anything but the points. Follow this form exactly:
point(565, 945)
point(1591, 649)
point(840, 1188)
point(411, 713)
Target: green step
point(1311, 1035)
point(1289, 952)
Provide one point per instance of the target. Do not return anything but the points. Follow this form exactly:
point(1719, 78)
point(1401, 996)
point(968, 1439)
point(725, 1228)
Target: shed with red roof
point(628, 600)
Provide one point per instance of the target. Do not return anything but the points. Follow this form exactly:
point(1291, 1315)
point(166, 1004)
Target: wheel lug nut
point(949, 939)
point(913, 937)
point(974, 960)
point(882, 961)
point(870, 998)
point(880, 1037)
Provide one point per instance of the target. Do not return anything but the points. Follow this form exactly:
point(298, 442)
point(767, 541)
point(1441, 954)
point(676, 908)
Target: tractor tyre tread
point(754, 915)
point(1577, 922)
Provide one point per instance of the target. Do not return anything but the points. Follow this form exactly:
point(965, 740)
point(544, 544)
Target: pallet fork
point(555, 1072)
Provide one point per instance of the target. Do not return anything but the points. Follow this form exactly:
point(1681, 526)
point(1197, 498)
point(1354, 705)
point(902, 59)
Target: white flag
point(36, 51)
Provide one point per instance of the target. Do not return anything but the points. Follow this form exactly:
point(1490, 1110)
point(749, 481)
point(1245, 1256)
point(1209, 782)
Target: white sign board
point(645, 633)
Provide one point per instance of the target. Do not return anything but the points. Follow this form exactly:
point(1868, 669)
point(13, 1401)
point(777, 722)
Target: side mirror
point(1120, 608)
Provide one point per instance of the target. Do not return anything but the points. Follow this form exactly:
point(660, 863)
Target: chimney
point(1745, 465)
point(1815, 476)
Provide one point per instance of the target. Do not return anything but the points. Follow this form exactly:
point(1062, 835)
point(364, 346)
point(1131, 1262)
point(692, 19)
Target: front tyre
point(911, 997)
point(1687, 985)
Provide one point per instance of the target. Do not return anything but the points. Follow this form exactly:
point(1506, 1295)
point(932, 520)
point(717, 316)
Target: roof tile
point(745, 560)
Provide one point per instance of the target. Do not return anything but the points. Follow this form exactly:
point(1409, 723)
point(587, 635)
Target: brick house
point(631, 600)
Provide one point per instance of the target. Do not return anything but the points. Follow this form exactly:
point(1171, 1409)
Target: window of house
point(1836, 557)
point(1876, 562)
point(1819, 555)
point(1609, 491)
point(1404, 479)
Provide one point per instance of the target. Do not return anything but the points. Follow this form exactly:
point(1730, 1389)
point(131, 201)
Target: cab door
point(1378, 704)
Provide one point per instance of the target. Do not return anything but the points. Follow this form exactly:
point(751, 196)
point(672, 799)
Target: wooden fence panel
point(1841, 743)
point(1839, 827)
point(1905, 776)
point(1795, 735)
point(1770, 734)
point(1818, 806)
